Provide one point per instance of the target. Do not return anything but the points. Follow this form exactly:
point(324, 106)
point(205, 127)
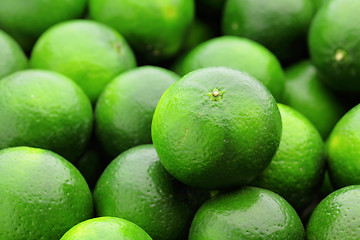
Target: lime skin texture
point(136, 93)
point(297, 170)
point(248, 213)
point(306, 93)
point(334, 44)
point(26, 20)
point(44, 109)
point(135, 186)
point(12, 56)
point(216, 128)
point(154, 29)
point(241, 54)
point(42, 195)
point(109, 228)
point(89, 53)
point(337, 216)
point(342, 149)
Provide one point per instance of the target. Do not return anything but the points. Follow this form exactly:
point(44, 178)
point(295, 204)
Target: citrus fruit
point(197, 33)
point(242, 54)
point(125, 109)
point(27, 20)
point(306, 93)
point(343, 150)
point(248, 213)
point(334, 44)
point(46, 110)
point(326, 187)
point(155, 29)
point(216, 128)
point(337, 216)
point(282, 31)
point(12, 57)
point(296, 172)
point(135, 186)
point(88, 52)
point(109, 228)
point(42, 195)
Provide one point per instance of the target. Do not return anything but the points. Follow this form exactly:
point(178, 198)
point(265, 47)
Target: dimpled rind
point(218, 142)
point(135, 186)
point(46, 110)
point(248, 213)
point(109, 228)
point(337, 216)
point(42, 195)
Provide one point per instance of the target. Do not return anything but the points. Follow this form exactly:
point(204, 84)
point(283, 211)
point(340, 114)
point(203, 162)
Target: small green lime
point(88, 52)
point(46, 110)
point(107, 228)
point(296, 172)
point(241, 54)
point(337, 216)
point(125, 109)
point(42, 195)
point(135, 186)
point(248, 213)
point(216, 128)
point(12, 57)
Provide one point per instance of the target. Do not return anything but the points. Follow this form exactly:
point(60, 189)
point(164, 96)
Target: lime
point(135, 186)
point(12, 57)
point(109, 228)
point(89, 53)
point(306, 93)
point(337, 216)
point(281, 26)
point(42, 195)
point(326, 187)
point(296, 172)
point(241, 54)
point(216, 128)
point(335, 44)
point(248, 213)
point(155, 29)
point(46, 110)
point(197, 33)
point(27, 20)
point(135, 93)
point(343, 150)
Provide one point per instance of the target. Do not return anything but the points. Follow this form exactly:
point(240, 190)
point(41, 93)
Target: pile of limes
point(179, 119)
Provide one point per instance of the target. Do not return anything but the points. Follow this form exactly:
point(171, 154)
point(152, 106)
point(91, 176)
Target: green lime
point(46, 110)
point(155, 29)
point(337, 216)
point(27, 20)
point(216, 128)
point(343, 152)
point(42, 195)
point(248, 213)
point(296, 172)
point(197, 33)
point(319, 3)
point(326, 187)
point(281, 26)
point(135, 186)
point(12, 56)
point(88, 52)
point(306, 93)
point(109, 228)
point(241, 54)
point(125, 109)
point(334, 44)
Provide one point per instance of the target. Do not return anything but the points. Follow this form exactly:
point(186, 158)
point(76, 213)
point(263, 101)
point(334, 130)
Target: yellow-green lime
point(248, 213)
point(88, 52)
point(135, 186)
point(42, 195)
point(107, 228)
point(216, 128)
point(296, 172)
point(125, 109)
point(44, 109)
